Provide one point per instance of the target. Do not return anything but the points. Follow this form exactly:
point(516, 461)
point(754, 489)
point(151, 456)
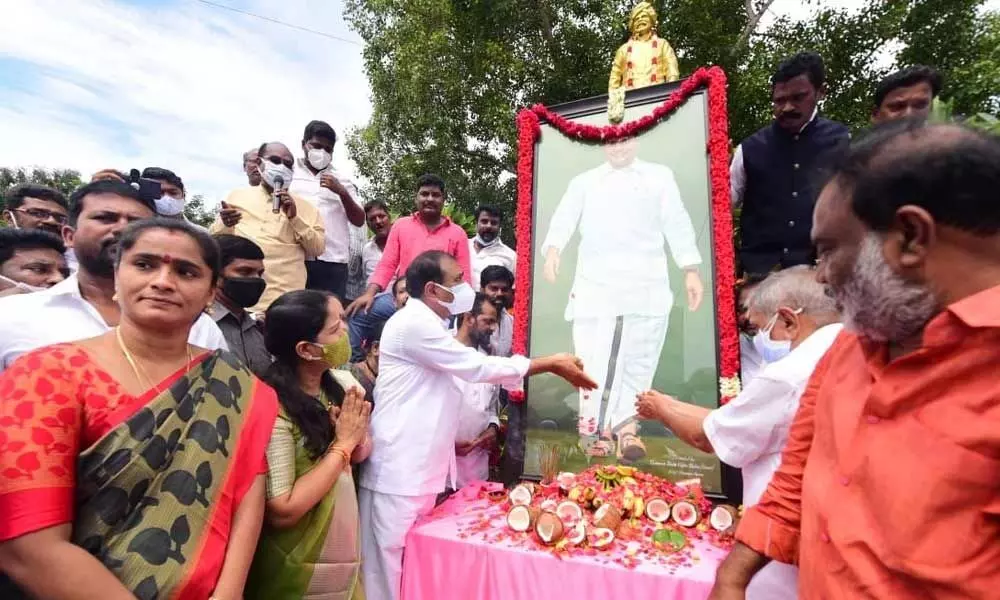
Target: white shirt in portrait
point(418, 402)
point(623, 215)
point(60, 314)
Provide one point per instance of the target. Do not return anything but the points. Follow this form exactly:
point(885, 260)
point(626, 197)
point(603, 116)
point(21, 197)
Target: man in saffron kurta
point(888, 487)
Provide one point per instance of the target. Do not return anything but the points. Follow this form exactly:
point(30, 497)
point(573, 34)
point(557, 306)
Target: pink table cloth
point(445, 561)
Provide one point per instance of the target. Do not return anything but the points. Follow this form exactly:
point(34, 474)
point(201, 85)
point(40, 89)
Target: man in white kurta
point(620, 301)
point(417, 404)
point(793, 311)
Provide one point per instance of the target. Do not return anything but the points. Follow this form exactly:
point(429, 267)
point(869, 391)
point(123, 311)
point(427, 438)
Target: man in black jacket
point(775, 171)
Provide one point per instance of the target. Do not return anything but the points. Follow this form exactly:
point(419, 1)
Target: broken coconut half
point(565, 481)
point(577, 534)
point(658, 510)
point(570, 512)
point(549, 528)
point(608, 517)
point(724, 517)
point(600, 537)
point(520, 495)
point(685, 513)
point(548, 505)
point(522, 518)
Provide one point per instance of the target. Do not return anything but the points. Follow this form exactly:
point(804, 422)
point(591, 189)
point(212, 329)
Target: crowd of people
point(264, 409)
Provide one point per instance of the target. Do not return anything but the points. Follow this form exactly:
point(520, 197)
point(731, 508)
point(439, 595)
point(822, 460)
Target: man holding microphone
point(287, 228)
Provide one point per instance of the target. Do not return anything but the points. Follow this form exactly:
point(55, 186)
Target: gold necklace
point(137, 369)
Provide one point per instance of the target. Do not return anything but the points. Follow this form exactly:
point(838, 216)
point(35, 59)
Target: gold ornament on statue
point(645, 59)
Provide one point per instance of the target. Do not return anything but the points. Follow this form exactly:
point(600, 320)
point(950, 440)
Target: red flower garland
point(529, 130)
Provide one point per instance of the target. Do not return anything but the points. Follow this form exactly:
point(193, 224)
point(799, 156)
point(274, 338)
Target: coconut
point(520, 496)
point(658, 510)
point(685, 513)
point(577, 534)
point(723, 517)
point(565, 481)
point(607, 517)
point(549, 528)
point(522, 518)
point(548, 505)
point(569, 512)
point(600, 537)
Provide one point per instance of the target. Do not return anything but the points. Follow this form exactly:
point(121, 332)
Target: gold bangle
point(343, 453)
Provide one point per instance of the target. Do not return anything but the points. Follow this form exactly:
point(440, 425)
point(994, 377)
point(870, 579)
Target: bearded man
point(888, 486)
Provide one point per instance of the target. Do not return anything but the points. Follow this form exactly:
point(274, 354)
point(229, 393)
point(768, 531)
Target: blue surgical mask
point(772, 350)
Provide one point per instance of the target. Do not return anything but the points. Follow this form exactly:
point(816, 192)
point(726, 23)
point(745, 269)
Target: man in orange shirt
point(889, 486)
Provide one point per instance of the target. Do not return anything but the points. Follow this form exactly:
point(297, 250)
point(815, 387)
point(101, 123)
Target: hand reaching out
point(652, 405)
point(230, 216)
point(570, 368)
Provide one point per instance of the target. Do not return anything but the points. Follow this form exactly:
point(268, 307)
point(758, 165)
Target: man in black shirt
point(241, 287)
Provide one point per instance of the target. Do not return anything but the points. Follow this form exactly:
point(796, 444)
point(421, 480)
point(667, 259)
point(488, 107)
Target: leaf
point(11, 473)
point(15, 446)
point(179, 531)
point(24, 411)
point(51, 422)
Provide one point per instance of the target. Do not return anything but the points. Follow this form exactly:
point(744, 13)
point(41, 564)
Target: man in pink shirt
point(426, 229)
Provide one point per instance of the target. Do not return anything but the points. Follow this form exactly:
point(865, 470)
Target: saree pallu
point(319, 558)
point(155, 493)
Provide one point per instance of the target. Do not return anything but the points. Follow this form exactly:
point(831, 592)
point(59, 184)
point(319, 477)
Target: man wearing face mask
point(84, 305)
point(486, 248)
point(887, 487)
point(240, 288)
point(333, 194)
point(417, 406)
point(288, 236)
point(796, 322)
point(172, 198)
point(774, 171)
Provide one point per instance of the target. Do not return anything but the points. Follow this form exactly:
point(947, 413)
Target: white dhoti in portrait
point(620, 301)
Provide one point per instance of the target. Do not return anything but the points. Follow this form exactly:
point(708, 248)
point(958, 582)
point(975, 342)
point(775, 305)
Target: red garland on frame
point(529, 130)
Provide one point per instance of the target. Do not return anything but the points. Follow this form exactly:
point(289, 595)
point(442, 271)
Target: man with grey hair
point(796, 323)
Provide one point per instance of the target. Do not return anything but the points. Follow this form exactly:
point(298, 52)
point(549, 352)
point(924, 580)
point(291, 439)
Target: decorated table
point(487, 543)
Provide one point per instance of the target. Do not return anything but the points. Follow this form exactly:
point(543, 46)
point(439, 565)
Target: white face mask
point(493, 242)
point(269, 172)
point(772, 350)
point(21, 286)
point(319, 158)
point(465, 297)
point(168, 206)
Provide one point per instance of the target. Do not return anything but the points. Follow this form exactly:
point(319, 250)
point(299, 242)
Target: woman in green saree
point(310, 545)
point(131, 464)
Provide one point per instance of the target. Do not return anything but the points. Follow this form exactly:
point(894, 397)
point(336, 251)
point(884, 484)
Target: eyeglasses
point(41, 214)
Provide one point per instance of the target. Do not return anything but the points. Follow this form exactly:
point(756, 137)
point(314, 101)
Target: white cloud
point(177, 84)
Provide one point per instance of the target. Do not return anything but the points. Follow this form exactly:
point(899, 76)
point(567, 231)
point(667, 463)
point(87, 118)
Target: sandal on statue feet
point(630, 448)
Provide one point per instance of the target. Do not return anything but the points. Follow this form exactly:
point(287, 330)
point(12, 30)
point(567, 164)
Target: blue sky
point(171, 83)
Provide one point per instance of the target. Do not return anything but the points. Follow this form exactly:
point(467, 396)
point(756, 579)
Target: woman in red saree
point(132, 464)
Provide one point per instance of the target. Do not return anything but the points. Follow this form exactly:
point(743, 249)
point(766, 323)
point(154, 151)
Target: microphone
point(279, 183)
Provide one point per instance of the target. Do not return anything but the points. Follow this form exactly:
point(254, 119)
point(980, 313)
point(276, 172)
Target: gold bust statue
point(645, 59)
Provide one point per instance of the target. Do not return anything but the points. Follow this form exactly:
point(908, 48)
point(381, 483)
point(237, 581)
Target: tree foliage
point(64, 180)
point(196, 211)
point(447, 76)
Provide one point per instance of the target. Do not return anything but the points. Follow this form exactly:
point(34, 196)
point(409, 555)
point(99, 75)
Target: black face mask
point(243, 291)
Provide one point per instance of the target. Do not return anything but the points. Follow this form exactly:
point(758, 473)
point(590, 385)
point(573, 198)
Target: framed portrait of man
point(626, 269)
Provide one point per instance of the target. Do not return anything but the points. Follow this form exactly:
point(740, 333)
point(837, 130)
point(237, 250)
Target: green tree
point(196, 211)
point(64, 180)
point(447, 76)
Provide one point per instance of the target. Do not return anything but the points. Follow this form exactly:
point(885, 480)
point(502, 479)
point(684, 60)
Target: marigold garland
point(529, 130)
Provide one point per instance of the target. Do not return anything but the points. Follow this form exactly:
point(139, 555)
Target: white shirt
point(477, 410)
point(60, 314)
point(417, 401)
point(370, 255)
point(738, 173)
point(503, 338)
point(331, 209)
point(498, 254)
point(624, 215)
point(750, 432)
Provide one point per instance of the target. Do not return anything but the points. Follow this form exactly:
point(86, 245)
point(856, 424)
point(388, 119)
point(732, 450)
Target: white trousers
point(385, 521)
point(621, 354)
